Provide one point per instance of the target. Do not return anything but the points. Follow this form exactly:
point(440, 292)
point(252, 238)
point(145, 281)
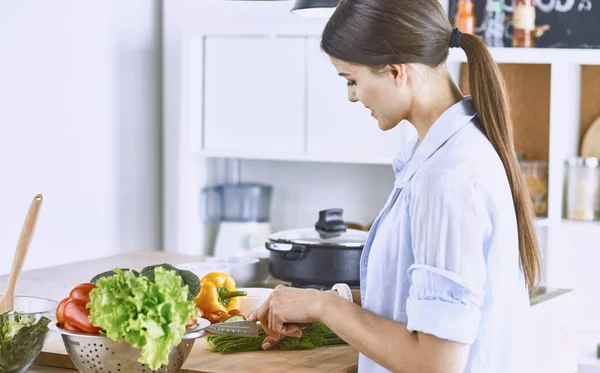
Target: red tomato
point(77, 315)
point(193, 321)
point(60, 311)
point(81, 292)
point(71, 328)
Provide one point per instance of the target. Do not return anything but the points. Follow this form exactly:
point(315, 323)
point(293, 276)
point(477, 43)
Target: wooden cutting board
point(590, 146)
point(324, 359)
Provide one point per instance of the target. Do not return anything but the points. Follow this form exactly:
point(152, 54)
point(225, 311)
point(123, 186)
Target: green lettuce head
point(151, 316)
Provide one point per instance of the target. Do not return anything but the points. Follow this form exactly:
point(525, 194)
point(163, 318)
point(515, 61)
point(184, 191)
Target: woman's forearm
point(355, 296)
point(389, 343)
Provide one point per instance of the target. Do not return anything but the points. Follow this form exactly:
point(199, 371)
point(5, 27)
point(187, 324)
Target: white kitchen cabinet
point(254, 96)
point(339, 128)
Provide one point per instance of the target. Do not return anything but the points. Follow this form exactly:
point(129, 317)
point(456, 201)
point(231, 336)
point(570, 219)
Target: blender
point(243, 213)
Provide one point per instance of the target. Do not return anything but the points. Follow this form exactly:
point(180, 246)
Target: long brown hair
point(376, 33)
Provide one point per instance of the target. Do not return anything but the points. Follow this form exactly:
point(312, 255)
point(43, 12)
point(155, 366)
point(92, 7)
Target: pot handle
point(279, 246)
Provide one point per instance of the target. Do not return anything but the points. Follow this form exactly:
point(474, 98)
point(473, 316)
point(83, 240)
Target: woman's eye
point(351, 83)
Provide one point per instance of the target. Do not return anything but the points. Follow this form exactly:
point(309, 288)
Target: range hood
point(310, 8)
point(315, 8)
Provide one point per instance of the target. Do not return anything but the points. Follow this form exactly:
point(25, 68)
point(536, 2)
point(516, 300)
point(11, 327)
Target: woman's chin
point(384, 126)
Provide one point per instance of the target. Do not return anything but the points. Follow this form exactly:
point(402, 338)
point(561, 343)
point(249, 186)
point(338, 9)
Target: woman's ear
point(399, 73)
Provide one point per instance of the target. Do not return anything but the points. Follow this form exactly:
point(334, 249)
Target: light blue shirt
point(443, 255)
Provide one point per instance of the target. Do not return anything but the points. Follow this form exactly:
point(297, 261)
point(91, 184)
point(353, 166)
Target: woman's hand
point(286, 307)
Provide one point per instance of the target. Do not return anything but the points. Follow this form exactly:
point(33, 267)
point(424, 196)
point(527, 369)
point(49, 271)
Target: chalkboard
point(573, 23)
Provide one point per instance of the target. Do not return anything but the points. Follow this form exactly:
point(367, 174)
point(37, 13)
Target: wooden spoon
point(6, 300)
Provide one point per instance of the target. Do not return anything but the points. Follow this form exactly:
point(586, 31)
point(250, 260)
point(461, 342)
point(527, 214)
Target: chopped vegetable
point(188, 278)
point(314, 336)
point(21, 338)
point(218, 293)
point(149, 315)
point(110, 273)
point(236, 318)
point(236, 312)
point(72, 313)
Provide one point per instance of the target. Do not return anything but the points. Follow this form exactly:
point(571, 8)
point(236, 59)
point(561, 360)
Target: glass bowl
point(242, 269)
point(23, 332)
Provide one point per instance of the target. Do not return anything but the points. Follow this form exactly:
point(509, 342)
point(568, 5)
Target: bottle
point(524, 24)
point(465, 17)
point(493, 34)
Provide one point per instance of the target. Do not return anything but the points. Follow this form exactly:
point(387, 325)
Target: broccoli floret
point(187, 278)
point(149, 271)
point(192, 281)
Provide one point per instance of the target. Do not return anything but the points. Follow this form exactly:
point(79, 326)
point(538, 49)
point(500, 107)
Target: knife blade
point(236, 328)
point(242, 328)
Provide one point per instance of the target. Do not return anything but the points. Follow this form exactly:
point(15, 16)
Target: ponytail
point(490, 97)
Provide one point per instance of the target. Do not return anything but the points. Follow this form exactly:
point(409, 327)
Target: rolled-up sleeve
point(450, 225)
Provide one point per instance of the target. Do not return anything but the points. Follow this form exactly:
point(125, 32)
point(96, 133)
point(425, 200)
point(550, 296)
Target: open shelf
point(535, 55)
point(582, 224)
point(590, 97)
point(529, 94)
point(298, 157)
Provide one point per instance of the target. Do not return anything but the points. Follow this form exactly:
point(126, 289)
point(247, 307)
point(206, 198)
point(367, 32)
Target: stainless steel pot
point(324, 255)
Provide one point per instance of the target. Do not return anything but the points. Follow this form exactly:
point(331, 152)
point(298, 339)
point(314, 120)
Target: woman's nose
point(352, 95)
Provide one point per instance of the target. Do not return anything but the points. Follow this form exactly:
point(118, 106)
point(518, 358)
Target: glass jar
point(524, 24)
point(465, 17)
point(581, 200)
point(536, 176)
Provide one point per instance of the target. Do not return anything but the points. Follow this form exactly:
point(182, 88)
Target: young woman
point(446, 269)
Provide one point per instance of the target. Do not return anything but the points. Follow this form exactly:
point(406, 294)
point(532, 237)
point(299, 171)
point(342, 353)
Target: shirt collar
point(450, 122)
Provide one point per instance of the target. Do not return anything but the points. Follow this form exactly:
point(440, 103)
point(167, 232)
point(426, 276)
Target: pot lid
point(330, 230)
point(351, 238)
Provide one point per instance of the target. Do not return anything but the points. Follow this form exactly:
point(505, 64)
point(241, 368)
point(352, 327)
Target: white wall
point(80, 123)
point(300, 191)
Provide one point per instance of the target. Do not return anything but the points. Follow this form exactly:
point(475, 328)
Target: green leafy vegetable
point(21, 339)
point(108, 274)
point(188, 278)
point(315, 336)
point(150, 315)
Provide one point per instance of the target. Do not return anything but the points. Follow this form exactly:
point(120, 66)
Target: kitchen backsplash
point(301, 189)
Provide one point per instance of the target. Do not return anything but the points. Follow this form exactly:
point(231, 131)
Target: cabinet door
point(337, 127)
point(254, 96)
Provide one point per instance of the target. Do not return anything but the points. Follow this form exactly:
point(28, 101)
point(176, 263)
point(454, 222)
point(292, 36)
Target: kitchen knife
point(236, 328)
point(240, 328)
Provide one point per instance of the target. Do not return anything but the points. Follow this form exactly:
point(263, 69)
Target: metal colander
point(98, 354)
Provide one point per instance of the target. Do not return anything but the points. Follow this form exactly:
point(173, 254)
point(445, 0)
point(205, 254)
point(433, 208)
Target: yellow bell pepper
point(218, 293)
